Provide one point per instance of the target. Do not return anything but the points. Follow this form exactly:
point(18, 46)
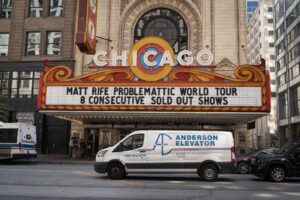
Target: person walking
point(71, 147)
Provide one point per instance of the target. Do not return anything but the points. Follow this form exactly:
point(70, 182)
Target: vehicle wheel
point(277, 174)
point(116, 171)
point(209, 172)
point(243, 168)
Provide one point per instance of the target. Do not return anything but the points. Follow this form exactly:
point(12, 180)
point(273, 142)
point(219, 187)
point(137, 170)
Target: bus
point(17, 141)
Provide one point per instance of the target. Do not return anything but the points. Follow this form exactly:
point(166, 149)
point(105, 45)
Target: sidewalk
point(61, 159)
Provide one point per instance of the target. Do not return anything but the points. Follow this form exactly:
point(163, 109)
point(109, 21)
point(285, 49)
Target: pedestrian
point(89, 149)
point(71, 147)
point(82, 146)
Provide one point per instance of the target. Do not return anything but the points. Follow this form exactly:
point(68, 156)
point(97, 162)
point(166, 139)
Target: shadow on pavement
point(17, 162)
point(154, 177)
point(287, 180)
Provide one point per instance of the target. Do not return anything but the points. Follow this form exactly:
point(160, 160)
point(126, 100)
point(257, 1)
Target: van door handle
point(142, 151)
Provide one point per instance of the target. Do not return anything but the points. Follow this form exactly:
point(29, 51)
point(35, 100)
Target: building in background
point(287, 45)
point(31, 32)
point(261, 45)
point(250, 8)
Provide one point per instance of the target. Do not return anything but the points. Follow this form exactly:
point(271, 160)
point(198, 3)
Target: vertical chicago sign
point(86, 26)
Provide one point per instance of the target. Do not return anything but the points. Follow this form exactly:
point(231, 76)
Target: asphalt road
point(31, 181)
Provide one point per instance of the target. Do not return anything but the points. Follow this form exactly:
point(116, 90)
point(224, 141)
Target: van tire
point(209, 172)
point(116, 171)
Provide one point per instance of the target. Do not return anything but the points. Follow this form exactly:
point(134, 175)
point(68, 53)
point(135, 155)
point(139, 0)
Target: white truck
point(17, 141)
point(206, 153)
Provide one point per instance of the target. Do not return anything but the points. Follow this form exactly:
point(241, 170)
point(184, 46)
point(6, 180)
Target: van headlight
point(101, 153)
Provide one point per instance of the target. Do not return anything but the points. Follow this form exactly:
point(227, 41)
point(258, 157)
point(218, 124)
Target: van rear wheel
point(116, 171)
point(209, 172)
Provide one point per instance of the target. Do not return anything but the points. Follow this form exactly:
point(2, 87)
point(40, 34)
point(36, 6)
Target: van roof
point(180, 131)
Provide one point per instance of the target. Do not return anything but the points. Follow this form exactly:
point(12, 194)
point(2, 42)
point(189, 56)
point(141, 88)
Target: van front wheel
point(116, 171)
point(209, 172)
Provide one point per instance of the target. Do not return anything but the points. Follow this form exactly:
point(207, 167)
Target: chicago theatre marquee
point(157, 64)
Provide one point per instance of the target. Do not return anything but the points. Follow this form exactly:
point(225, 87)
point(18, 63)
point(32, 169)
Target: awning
point(130, 117)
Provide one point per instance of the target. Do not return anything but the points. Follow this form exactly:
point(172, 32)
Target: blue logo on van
point(160, 141)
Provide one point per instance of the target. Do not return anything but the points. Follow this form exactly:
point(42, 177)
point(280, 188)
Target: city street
point(29, 180)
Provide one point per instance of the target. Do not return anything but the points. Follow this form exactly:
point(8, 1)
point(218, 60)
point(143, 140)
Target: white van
point(206, 153)
point(17, 141)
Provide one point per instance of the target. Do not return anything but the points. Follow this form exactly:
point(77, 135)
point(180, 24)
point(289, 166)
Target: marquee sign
point(152, 82)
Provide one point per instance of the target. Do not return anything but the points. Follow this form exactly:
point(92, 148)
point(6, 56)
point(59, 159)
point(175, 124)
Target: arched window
point(164, 23)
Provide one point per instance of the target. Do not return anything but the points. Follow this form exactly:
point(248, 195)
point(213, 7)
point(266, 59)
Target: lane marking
point(84, 173)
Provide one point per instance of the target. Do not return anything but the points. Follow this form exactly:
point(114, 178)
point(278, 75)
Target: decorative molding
point(137, 8)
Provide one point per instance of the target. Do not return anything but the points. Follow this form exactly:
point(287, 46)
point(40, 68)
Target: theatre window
point(164, 23)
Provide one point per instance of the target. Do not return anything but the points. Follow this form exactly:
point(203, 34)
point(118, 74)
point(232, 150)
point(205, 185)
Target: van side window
point(131, 143)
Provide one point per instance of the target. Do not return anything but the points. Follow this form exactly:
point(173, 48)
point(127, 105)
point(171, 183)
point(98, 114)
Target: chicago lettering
point(183, 58)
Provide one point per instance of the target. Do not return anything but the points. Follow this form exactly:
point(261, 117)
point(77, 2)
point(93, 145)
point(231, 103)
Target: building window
point(272, 69)
point(294, 71)
point(280, 31)
point(14, 85)
point(164, 23)
point(4, 38)
point(282, 79)
point(4, 83)
point(270, 9)
point(22, 84)
point(283, 108)
point(271, 44)
point(36, 8)
point(36, 81)
point(293, 16)
point(280, 47)
point(293, 34)
point(33, 43)
point(280, 63)
point(273, 82)
point(279, 10)
point(53, 43)
point(271, 33)
point(25, 84)
point(288, 3)
point(56, 7)
point(295, 93)
point(270, 21)
point(272, 57)
point(293, 53)
point(5, 9)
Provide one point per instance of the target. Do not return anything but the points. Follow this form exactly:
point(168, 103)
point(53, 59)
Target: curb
point(62, 162)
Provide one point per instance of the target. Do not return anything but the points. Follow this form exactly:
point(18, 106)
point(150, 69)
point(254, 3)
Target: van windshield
point(131, 143)
point(8, 135)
